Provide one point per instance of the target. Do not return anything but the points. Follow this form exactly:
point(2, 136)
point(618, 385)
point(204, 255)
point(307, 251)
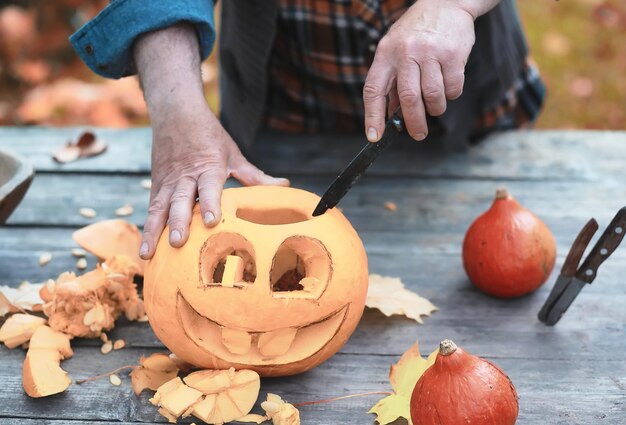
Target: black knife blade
point(360, 163)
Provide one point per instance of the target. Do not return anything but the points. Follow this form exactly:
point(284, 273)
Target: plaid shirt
point(321, 55)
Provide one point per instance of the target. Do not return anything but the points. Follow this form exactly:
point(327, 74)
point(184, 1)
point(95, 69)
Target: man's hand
point(192, 154)
point(420, 63)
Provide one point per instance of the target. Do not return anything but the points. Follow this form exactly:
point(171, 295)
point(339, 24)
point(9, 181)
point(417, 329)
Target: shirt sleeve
point(105, 43)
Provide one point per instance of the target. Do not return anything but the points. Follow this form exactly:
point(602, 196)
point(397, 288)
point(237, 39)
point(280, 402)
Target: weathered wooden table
point(574, 373)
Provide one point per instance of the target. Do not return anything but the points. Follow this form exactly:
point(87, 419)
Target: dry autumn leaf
point(24, 297)
point(402, 376)
point(154, 371)
point(87, 145)
point(107, 238)
point(389, 295)
point(19, 328)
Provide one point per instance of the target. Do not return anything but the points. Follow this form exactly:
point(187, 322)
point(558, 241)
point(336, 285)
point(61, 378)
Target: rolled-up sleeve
point(105, 43)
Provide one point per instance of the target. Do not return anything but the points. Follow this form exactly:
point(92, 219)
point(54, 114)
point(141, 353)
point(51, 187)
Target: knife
point(360, 163)
point(569, 267)
point(567, 288)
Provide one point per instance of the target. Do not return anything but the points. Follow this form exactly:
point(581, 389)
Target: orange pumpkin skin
point(252, 321)
point(463, 389)
point(508, 251)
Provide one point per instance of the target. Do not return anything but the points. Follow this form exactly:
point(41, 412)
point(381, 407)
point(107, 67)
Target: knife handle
point(578, 248)
point(604, 247)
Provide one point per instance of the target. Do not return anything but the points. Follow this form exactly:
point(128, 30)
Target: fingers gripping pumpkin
point(270, 288)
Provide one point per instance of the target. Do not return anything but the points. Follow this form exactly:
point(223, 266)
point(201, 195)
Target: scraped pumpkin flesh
point(42, 374)
point(19, 328)
point(89, 304)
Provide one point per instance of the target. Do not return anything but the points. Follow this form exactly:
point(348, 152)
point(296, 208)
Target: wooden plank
point(408, 253)
point(550, 391)
point(590, 329)
point(538, 155)
point(446, 206)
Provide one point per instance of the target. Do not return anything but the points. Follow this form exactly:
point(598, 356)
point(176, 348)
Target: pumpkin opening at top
point(271, 216)
point(269, 288)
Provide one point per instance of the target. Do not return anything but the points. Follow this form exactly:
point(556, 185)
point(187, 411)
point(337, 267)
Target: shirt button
point(372, 47)
point(89, 49)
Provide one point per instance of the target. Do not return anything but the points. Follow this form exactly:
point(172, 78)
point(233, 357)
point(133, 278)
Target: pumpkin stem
point(447, 347)
point(502, 193)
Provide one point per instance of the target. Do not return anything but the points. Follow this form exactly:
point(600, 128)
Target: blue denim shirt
point(105, 43)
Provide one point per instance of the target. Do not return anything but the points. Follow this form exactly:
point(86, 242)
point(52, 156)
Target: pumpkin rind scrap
point(270, 288)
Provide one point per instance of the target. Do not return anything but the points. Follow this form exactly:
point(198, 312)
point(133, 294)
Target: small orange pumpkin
point(508, 251)
point(270, 288)
point(463, 389)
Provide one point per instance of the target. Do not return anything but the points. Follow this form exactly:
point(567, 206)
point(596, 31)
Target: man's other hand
point(419, 65)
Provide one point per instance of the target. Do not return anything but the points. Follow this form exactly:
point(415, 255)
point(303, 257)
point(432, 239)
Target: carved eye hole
point(301, 268)
point(227, 259)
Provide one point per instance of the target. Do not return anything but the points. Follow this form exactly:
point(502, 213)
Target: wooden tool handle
point(604, 247)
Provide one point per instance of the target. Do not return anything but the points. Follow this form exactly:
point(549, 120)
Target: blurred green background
point(579, 45)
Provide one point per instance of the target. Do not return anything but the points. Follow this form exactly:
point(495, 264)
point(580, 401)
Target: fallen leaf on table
point(154, 371)
point(389, 295)
point(402, 376)
point(24, 297)
point(87, 145)
point(42, 374)
point(214, 396)
point(107, 238)
point(89, 304)
point(19, 328)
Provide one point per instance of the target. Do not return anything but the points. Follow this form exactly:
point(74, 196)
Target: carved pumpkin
point(270, 288)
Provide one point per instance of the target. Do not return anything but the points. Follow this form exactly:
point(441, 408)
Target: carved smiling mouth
point(278, 346)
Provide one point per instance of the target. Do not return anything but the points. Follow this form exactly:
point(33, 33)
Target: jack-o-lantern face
point(269, 288)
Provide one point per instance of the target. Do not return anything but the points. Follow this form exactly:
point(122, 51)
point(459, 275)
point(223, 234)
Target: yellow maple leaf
point(403, 376)
point(389, 295)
